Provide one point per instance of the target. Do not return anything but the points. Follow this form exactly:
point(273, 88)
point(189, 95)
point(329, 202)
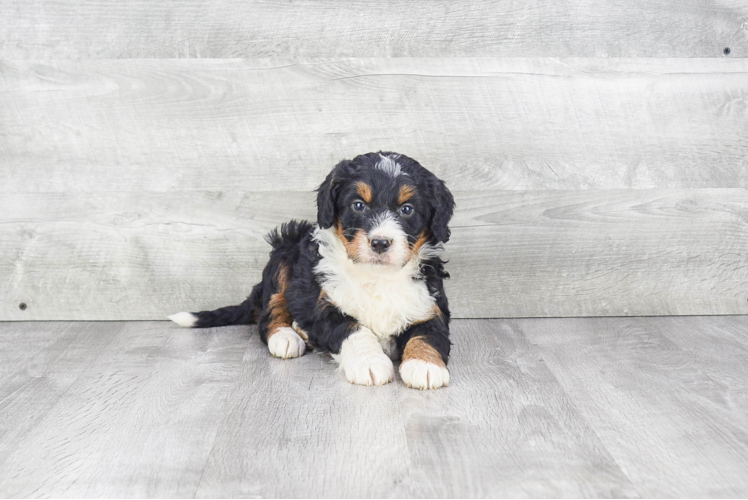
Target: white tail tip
point(184, 319)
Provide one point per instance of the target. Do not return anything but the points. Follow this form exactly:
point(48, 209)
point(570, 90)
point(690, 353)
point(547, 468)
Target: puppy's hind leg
point(276, 322)
point(285, 343)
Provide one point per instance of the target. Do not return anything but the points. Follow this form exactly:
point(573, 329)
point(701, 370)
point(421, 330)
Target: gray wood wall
point(598, 150)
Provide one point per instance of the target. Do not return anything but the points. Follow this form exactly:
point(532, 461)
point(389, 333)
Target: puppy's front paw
point(362, 360)
point(370, 370)
point(285, 343)
point(420, 374)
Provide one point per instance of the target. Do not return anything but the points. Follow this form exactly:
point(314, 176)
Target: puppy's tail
point(242, 314)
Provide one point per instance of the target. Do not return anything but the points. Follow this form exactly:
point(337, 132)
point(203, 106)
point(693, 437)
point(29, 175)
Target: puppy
point(365, 283)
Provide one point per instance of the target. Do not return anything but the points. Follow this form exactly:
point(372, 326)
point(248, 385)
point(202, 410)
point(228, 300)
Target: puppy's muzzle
point(380, 245)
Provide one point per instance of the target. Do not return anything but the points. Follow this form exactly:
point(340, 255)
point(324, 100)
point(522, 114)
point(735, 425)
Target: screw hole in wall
point(22, 306)
point(726, 51)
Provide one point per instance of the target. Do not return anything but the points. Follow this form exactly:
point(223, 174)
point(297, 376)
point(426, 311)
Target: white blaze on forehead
point(389, 166)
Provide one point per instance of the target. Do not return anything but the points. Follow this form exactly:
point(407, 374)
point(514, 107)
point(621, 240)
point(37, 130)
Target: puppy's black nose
point(380, 246)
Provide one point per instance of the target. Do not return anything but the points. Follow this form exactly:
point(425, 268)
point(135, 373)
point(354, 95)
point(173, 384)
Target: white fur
point(420, 374)
point(184, 319)
point(285, 343)
point(387, 227)
point(362, 360)
point(386, 299)
point(389, 165)
point(302, 333)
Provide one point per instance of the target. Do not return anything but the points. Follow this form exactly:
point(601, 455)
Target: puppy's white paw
point(420, 374)
point(376, 369)
point(362, 360)
point(285, 343)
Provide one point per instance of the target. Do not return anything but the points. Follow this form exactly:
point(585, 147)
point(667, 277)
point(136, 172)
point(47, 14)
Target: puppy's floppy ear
point(443, 206)
point(327, 195)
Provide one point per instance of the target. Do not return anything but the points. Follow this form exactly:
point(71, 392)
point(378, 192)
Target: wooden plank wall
point(598, 151)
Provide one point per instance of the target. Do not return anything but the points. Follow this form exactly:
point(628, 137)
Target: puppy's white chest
point(387, 304)
point(384, 299)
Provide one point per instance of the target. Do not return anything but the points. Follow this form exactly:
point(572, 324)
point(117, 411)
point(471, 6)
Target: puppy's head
point(384, 207)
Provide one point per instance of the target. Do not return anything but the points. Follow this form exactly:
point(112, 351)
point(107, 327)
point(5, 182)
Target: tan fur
point(354, 248)
point(279, 315)
point(406, 193)
point(418, 348)
point(323, 301)
point(364, 191)
point(422, 239)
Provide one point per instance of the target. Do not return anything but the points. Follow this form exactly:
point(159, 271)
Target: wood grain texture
point(671, 427)
point(139, 421)
point(601, 253)
point(504, 428)
point(271, 124)
point(39, 364)
point(512, 254)
point(593, 408)
point(719, 348)
point(329, 28)
point(297, 430)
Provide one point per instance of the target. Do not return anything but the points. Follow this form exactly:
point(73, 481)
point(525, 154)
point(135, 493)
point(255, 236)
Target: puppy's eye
point(406, 210)
point(359, 206)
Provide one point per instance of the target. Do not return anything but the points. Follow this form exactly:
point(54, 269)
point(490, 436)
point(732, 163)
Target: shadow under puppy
point(365, 283)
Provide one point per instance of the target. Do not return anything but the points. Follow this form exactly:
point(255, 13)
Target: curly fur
point(331, 286)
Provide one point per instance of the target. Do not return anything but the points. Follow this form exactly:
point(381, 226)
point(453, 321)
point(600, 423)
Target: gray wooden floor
point(603, 407)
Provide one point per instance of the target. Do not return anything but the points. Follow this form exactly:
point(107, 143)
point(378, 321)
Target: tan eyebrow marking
point(364, 191)
point(406, 193)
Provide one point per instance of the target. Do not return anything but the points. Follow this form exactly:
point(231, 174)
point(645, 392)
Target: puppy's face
point(384, 208)
point(381, 219)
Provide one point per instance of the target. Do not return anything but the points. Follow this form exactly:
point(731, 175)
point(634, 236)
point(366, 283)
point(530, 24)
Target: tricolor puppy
point(365, 282)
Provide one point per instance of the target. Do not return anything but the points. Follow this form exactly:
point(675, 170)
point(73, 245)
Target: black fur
point(294, 254)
